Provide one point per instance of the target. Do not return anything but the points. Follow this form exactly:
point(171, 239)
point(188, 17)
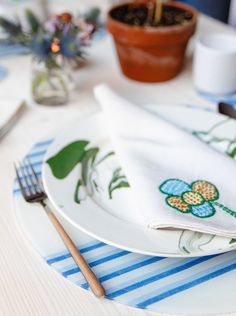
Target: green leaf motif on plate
point(192, 242)
point(210, 137)
point(62, 163)
point(87, 163)
point(118, 181)
point(232, 241)
point(77, 198)
point(233, 153)
point(66, 159)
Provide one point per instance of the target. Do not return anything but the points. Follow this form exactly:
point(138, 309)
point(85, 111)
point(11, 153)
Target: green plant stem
point(224, 208)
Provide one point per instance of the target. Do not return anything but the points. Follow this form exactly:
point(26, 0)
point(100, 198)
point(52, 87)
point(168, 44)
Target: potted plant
point(151, 37)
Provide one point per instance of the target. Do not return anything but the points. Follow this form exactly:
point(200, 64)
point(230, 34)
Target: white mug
point(214, 65)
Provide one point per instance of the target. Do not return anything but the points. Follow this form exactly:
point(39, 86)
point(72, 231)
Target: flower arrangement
point(63, 35)
point(58, 46)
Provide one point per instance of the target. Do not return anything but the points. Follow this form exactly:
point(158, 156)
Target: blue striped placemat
point(134, 279)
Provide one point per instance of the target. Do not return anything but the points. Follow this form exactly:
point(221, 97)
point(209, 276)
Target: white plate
point(182, 285)
point(108, 219)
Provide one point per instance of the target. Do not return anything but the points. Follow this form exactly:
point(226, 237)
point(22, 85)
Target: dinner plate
point(86, 184)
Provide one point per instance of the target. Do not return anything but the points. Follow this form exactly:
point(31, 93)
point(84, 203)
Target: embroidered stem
point(224, 208)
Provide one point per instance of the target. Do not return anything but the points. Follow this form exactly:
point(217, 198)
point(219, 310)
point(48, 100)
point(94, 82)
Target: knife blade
point(227, 109)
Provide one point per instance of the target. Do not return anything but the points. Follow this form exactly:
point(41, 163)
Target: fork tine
point(26, 177)
point(31, 177)
point(23, 191)
point(35, 175)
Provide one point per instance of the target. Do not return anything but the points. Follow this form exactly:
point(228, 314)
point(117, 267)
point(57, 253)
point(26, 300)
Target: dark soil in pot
point(138, 15)
point(148, 51)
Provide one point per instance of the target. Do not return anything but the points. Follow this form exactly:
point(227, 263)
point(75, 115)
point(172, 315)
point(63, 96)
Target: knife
point(227, 109)
point(12, 120)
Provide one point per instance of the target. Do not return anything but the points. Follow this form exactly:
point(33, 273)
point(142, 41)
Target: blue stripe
point(208, 267)
point(97, 262)
point(186, 286)
point(159, 276)
point(44, 143)
point(128, 269)
point(94, 257)
point(17, 190)
point(39, 153)
point(38, 173)
point(35, 164)
point(82, 250)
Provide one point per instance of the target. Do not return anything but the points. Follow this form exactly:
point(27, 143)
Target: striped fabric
point(134, 279)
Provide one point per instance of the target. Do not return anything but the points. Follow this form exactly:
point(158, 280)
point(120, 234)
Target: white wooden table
point(27, 285)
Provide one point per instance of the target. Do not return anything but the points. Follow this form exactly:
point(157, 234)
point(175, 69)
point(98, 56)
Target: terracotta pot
point(151, 54)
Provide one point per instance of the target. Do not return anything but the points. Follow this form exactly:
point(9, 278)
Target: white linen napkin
point(10, 111)
point(176, 180)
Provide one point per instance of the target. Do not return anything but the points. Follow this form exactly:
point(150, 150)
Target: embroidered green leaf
point(118, 181)
point(66, 159)
point(232, 241)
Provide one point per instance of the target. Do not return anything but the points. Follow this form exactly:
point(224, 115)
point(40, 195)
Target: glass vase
point(51, 85)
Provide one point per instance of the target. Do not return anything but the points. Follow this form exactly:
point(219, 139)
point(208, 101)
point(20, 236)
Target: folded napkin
point(176, 180)
point(3, 72)
point(7, 50)
point(10, 111)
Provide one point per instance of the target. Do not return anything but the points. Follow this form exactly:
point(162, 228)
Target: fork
point(33, 192)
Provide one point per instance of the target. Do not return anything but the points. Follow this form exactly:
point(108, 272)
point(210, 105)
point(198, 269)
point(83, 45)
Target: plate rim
point(138, 228)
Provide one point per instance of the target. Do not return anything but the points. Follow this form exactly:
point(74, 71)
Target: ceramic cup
point(214, 65)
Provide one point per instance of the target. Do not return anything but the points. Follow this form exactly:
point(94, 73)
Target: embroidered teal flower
point(198, 198)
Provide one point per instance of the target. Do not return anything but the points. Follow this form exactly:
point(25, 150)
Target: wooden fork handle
point(91, 278)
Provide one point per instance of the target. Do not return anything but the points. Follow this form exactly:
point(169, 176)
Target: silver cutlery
point(33, 192)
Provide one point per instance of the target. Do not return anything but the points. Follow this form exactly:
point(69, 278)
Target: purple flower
point(41, 45)
point(69, 46)
point(51, 26)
